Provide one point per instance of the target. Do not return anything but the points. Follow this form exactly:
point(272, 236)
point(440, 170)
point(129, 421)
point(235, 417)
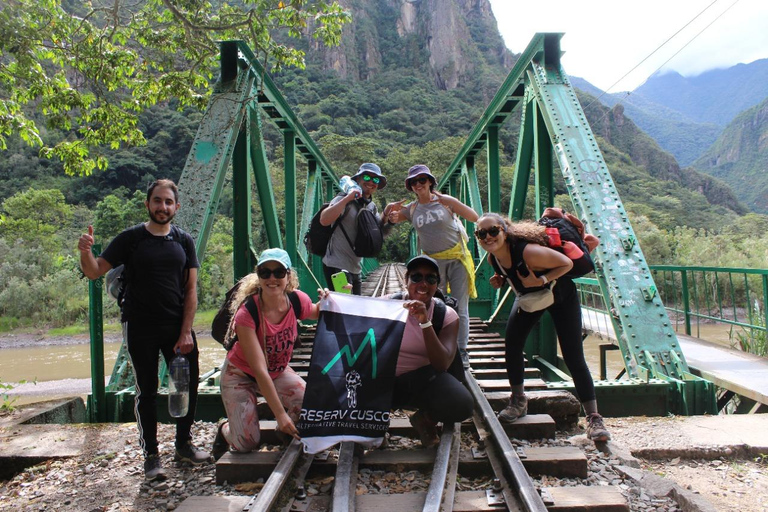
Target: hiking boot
point(517, 408)
point(220, 444)
point(464, 357)
point(153, 469)
point(426, 428)
point(596, 430)
point(190, 453)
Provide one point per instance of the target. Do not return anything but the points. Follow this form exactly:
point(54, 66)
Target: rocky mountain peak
point(449, 38)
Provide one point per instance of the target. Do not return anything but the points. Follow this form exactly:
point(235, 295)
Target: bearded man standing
point(158, 307)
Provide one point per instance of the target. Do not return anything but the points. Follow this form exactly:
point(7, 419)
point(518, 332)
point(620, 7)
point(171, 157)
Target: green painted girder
point(552, 118)
point(623, 272)
point(202, 179)
point(646, 338)
point(272, 102)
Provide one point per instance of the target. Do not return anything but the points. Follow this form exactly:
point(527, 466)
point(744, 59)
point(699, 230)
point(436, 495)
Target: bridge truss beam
point(553, 123)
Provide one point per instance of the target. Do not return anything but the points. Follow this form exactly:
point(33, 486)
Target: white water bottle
point(346, 183)
point(178, 386)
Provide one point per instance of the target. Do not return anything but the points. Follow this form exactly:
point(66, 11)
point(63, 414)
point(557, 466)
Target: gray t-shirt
point(340, 253)
point(434, 225)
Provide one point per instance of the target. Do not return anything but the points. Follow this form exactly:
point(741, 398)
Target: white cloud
point(604, 39)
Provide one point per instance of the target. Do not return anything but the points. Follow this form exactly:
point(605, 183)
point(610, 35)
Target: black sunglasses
point(482, 233)
point(266, 273)
point(419, 277)
point(367, 177)
point(422, 180)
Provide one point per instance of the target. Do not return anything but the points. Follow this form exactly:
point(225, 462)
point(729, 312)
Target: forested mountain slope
point(685, 115)
point(739, 157)
point(387, 92)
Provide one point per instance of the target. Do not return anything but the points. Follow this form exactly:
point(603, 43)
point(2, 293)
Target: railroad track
point(481, 451)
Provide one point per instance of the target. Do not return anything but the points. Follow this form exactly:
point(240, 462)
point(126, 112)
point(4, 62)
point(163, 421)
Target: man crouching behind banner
point(258, 360)
point(422, 379)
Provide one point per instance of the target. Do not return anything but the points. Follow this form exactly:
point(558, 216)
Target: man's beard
point(169, 218)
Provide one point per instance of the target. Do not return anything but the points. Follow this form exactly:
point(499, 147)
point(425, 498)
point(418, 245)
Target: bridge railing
point(698, 297)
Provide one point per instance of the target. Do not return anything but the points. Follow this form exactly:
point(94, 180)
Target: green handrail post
point(765, 297)
point(686, 301)
point(97, 410)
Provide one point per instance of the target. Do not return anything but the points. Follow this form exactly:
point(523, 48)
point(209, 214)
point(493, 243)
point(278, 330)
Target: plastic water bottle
point(347, 183)
point(178, 387)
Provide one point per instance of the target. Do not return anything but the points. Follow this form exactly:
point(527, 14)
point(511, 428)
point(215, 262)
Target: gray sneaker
point(153, 469)
point(596, 430)
point(517, 408)
point(190, 453)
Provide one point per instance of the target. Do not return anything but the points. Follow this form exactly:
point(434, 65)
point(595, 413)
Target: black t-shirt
point(156, 270)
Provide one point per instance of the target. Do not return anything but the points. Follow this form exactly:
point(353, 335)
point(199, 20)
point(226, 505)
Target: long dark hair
point(526, 230)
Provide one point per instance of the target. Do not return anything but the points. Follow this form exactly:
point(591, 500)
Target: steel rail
point(501, 485)
point(441, 471)
point(300, 482)
point(267, 497)
point(381, 282)
point(522, 481)
point(343, 499)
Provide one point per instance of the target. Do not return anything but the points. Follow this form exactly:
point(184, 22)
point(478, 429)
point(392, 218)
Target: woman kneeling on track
point(519, 251)
point(427, 352)
point(258, 361)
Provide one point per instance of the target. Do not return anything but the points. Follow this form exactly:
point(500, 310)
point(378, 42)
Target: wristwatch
point(426, 324)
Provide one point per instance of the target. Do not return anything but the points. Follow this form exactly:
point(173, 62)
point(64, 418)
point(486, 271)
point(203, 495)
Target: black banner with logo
point(350, 380)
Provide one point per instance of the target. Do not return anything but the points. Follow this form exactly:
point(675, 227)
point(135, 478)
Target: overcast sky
point(604, 39)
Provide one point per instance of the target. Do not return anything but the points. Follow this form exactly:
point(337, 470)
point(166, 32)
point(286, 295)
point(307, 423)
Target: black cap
point(422, 259)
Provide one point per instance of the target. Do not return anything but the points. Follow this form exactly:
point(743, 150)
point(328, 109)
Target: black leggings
point(439, 394)
point(354, 279)
point(145, 342)
point(566, 316)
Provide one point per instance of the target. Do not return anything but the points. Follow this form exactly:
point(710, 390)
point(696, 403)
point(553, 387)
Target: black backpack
point(369, 238)
point(117, 279)
point(317, 236)
point(221, 326)
point(583, 264)
point(438, 317)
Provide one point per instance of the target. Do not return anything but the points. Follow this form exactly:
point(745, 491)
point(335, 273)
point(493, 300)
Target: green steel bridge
point(627, 296)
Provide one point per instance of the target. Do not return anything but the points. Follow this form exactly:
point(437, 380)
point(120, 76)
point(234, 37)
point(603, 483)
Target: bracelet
point(426, 324)
point(545, 279)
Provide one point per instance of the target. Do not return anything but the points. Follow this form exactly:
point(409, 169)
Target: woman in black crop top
point(519, 254)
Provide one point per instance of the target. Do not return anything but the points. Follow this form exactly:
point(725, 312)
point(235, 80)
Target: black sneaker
point(220, 444)
point(190, 453)
point(425, 428)
point(153, 469)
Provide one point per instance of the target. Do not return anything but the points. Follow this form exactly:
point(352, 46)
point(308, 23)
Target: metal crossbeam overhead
point(552, 119)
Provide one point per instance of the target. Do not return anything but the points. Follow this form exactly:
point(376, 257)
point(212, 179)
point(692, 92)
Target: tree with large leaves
point(90, 67)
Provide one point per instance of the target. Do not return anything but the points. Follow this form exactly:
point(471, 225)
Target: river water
point(54, 371)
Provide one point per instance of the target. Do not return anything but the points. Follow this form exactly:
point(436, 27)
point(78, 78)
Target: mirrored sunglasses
point(266, 273)
point(482, 233)
point(419, 277)
point(368, 177)
point(420, 180)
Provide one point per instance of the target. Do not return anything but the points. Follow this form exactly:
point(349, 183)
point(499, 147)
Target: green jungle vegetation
point(396, 118)
point(739, 157)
